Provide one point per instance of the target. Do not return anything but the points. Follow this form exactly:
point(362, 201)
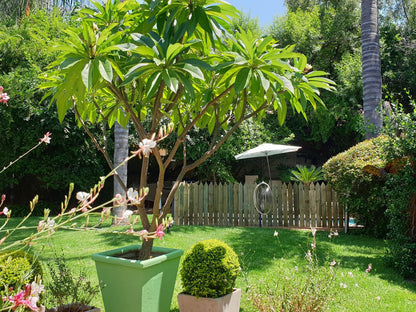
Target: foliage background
point(25, 51)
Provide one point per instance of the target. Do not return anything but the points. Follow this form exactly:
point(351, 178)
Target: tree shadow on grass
point(356, 250)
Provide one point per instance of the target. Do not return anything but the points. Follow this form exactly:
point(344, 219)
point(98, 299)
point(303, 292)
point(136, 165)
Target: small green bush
point(209, 269)
point(18, 268)
point(67, 287)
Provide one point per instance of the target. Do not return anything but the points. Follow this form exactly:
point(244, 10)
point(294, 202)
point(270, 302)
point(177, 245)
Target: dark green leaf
point(242, 79)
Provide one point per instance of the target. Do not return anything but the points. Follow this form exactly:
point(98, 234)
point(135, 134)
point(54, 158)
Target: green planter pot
point(137, 286)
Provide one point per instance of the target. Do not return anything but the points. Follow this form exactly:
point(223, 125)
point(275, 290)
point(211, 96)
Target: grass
point(264, 258)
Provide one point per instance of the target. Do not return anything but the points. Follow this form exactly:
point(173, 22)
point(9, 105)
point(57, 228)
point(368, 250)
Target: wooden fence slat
point(340, 211)
point(176, 207)
point(329, 205)
point(186, 204)
point(290, 203)
point(318, 205)
point(296, 209)
point(235, 204)
point(284, 204)
point(323, 205)
point(225, 204)
point(181, 203)
point(301, 205)
point(312, 208)
point(200, 205)
point(191, 204)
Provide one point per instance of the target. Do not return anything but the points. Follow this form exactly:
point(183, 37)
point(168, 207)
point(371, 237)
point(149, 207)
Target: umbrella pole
point(268, 167)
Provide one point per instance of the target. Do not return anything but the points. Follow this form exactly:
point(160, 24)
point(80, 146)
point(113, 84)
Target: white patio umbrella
point(266, 150)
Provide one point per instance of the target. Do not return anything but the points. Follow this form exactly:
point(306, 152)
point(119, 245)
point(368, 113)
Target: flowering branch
point(46, 139)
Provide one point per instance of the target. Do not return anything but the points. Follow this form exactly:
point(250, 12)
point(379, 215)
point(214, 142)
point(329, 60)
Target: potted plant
point(128, 284)
point(208, 275)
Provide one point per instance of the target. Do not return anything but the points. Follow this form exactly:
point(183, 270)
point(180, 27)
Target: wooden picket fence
point(295, 205)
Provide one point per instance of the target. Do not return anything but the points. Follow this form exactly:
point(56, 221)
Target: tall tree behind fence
point(295, 205)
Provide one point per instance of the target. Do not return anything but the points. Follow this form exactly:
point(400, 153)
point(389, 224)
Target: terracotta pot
point(227, 303)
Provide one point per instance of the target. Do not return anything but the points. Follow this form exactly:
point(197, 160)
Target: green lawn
point(264, 256)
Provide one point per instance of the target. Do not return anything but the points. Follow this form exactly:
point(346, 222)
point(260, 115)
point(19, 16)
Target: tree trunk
point(371, 65)
point(121, 151)
point(146, 250)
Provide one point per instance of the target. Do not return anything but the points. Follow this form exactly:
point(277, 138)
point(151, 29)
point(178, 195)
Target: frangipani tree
point(174, 62)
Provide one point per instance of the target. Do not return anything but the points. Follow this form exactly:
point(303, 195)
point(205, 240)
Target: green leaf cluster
point(307, 175)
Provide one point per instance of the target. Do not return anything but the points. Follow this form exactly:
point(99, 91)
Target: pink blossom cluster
point(46, 138)
point(3, 96)
point(27, 298)
point(5, 210)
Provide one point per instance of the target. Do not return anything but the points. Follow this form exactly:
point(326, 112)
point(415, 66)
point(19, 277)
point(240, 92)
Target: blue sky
point(265, 10)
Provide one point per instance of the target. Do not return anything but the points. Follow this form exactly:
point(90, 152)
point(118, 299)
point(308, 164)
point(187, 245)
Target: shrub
point(18, 268)
point(67, 287)
point(401, 246)
point(209, 269)
point(400, 190)
point(362, 192)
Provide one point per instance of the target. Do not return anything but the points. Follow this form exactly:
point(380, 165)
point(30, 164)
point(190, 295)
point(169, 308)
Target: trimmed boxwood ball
point(209, 269)
point(18, 268)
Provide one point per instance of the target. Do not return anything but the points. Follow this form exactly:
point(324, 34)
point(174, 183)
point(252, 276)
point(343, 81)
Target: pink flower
point(28, 297)
point(146, 146)
point(133, 196)
point(41, 225)
point(119, 199)
point(368, 268)
point(143, 234)
point(333, 263)
point(5, 211)
point(83, 196)
point(3, 96)
point(46, 138)
point(159, 231)
point(127, 214)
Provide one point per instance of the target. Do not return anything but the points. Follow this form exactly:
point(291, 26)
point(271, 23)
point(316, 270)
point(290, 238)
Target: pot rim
point(108, 256)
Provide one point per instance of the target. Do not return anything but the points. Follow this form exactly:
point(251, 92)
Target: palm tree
point(371, 65)
point(121, 151)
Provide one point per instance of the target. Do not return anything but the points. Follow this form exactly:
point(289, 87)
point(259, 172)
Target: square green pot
point(134, 285)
